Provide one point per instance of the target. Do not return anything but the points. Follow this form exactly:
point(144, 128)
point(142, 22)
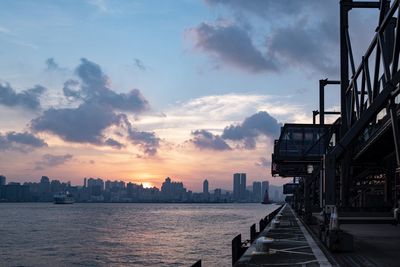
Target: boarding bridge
point(300, 148)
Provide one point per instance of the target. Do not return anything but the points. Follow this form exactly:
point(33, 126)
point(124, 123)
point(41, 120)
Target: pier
point(291, 245)
point(346, 171)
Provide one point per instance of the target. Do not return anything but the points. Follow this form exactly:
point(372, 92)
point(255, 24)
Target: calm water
point(44, 234)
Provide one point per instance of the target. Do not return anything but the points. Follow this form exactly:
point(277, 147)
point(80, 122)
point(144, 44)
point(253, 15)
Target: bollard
point(236, 248)
point(253, 233)
point(262, 225)
point(197, 264)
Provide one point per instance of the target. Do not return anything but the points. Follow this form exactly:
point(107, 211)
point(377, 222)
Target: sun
point(147, 184)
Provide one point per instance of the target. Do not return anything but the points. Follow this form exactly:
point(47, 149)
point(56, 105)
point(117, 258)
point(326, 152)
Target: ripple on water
point(41, 234)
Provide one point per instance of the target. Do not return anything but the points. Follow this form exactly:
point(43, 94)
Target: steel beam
point(362, 4)
point(345, 6)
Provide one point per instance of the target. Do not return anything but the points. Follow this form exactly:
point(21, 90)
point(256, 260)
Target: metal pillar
point(307, 199)
point(344, 61)
point(329, 180)
point(322, 112)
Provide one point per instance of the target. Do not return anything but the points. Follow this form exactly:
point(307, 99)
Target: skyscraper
point(236, 186)
point(2, 180)
point(243, 191)
point(205, 187)
point(257, 191)
point(264, 188)
point(44, 185)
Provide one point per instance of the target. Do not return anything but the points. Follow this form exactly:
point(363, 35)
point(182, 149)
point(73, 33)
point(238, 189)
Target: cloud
point(204, 139)
point(4, 30)
point(258, 124)
point(28, 99)
point(266, 9)
point(99, 108)
point(20, 141)
point(113, 143)
point(52, 65)
point(263, 162)
point(148, 141)
point(100, 5)
point(300, 45)
point(49, 160)
point(231, 45)
point(299, 34)
point(84, 124)
point(139, 64)
point(94, 88)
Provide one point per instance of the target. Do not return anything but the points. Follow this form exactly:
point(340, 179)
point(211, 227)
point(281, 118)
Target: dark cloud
point(265, 8)
point(29, 99)
point(148, 141)
point(298, 45)
point(95, 88)
point(310, 44)
point(49, 160)
point(264, 163)
point(113, 143)
point(84, 124)
point(52, 65)
point(97, 111)
point(139, 64)
point(258, 124)
point(20, 141)
point(204, 139)
point(232, 45)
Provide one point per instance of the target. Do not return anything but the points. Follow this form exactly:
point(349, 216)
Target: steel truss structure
point(353, 164)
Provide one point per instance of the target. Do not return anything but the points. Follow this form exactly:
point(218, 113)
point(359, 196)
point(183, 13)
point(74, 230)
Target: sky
point(140, 90)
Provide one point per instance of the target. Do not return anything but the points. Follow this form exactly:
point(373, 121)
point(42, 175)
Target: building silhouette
point(257, 195)
point(236, 186)
point(205, 187)
point(264, 189)
point(2, 180)
point(240, 192)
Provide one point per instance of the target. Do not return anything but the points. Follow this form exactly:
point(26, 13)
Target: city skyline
point(158, 96)
point(84, 183)
point(99, 190)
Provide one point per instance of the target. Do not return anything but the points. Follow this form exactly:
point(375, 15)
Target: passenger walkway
point(292, 246)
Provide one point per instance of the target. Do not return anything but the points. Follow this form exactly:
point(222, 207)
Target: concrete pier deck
point(374, 245)
point(293, 246)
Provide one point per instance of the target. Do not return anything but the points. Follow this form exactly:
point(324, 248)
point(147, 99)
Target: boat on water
point(64, 198)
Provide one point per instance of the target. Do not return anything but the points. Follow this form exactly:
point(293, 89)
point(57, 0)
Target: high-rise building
point(205, 187)
point(243, 191)
point(264, 188)
point(236, 186)
point(239, 186)
point(2, 180)
point(44, 185)
point(257, 191)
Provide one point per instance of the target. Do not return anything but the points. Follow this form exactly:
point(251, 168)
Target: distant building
point(15, 192)
point(44, 185)
point(243, 191)
point(257, 191)
point(264, 188)
point(173, 191)
point(239, 187)
point(236, 186)
point(2, 180)
point(205, 187)
point(217, 194)
point(96, 188)
point(114, 185)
